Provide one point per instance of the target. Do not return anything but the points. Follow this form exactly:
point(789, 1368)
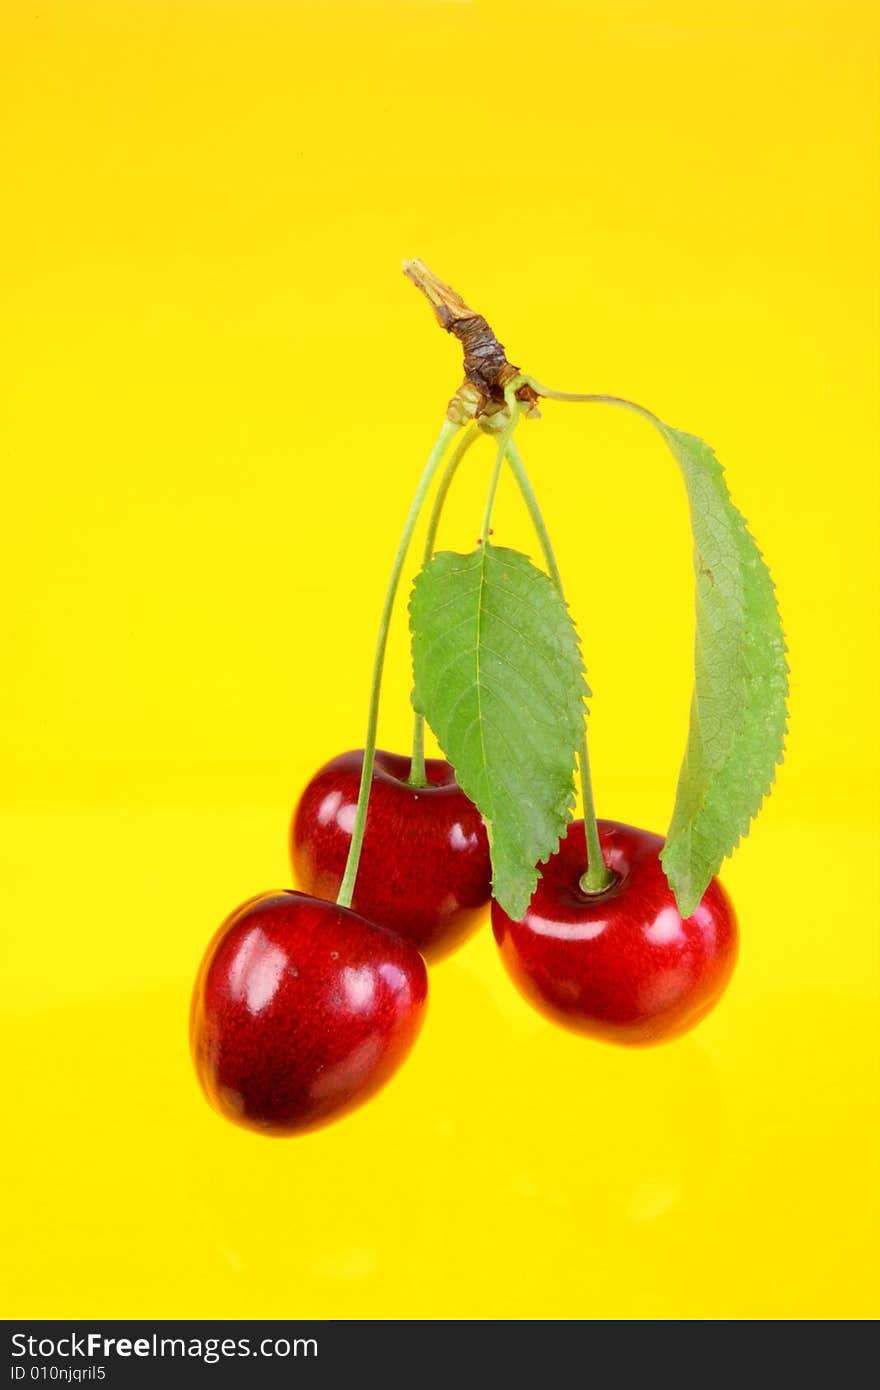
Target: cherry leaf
point(738, 709)
point(500, 679)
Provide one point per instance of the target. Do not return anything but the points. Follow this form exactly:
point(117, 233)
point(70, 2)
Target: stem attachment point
point(487, 372)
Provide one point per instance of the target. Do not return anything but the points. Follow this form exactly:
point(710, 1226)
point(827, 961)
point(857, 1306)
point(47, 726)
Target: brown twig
point(486, 368)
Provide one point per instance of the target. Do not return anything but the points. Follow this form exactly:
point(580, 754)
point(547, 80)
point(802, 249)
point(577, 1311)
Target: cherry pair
point(303, 1009)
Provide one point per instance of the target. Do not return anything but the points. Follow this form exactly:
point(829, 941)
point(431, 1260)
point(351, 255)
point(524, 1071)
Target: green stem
point(534, 511)
point(435, 458)
point(591, 399)
point(503, 445)
point(417, 775)
point(598, 876)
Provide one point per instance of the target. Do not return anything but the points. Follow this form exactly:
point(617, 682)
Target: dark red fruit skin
point(424, 870)
point(623, 965)
point(301, 1011)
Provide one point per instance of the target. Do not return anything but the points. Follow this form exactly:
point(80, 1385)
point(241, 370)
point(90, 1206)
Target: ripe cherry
point(621, 965)
point(301, 1011)
point(424, 870)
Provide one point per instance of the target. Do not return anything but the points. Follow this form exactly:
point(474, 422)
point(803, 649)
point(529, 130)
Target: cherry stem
point(435, 458)
point(417, 774)
point(598, 876)
point(589, 883)
point(503, 445)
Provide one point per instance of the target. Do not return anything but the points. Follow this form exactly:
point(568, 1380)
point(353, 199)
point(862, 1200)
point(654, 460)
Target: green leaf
point(499, 677)
point(738, 710)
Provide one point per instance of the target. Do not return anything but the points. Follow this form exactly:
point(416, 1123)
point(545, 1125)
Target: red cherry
point(301, 1011)
point(621, 965)
point(424, 870)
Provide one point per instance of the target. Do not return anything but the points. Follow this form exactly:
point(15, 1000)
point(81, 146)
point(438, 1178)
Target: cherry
point(424, 870)
point(301, 1011)
point(621, 965)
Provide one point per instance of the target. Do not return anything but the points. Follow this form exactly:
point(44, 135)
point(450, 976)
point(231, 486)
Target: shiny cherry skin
point(301, 1011)
point(424, 870)
point(620, 965)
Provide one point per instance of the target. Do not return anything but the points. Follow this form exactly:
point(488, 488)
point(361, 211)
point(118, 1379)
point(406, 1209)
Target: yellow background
point(218, 392)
